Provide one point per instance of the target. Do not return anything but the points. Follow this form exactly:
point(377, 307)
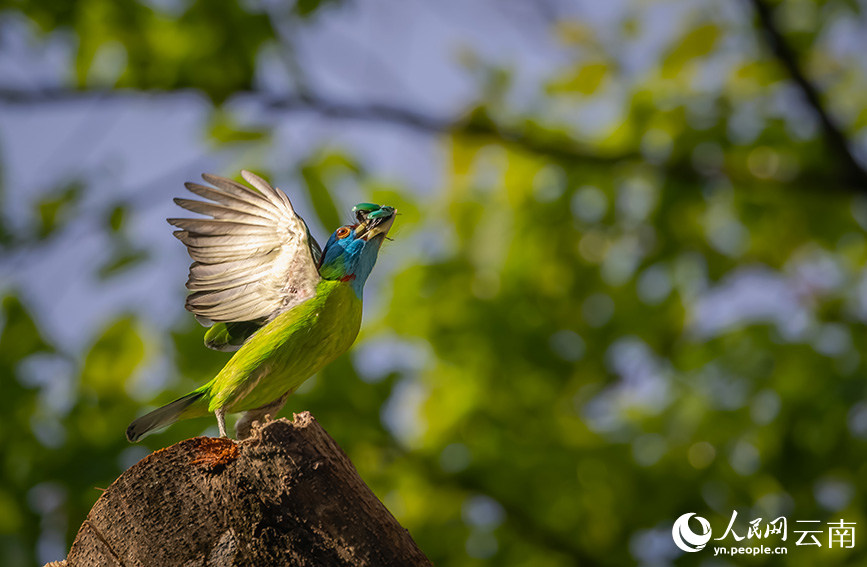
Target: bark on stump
point(286, 496)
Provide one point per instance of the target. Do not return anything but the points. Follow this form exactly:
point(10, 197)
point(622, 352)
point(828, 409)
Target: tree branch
point(557, 146)
point(853, 171)
point(475, 124)
point(286, 496)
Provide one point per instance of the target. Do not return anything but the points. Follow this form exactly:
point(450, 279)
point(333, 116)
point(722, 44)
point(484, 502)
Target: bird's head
point(351, 251)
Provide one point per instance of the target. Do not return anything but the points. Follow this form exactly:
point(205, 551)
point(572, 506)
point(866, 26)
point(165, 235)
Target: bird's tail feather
point(161, 417)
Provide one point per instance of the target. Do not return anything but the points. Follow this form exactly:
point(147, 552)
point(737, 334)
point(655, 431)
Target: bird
point(269, 293)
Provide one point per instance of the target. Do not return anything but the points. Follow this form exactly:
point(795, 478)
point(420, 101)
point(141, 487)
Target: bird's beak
point(373, 225)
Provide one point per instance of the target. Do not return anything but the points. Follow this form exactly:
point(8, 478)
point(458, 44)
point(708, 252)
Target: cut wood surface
point(286, 496)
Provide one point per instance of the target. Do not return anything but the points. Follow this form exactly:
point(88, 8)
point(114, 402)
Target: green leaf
point(306, 8)
point(320, 197)
point(210, 46)
point(114, 357)
point(698, 42)
point(586, 80)
point(117, 217)
point(56, 210)
point(224, 129)
point(20, 336)
point(123, 259)
point(10, 514)
point(192, 358)
point(336, 162)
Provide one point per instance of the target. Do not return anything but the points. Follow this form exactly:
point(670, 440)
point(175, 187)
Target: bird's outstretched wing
point(253, 259)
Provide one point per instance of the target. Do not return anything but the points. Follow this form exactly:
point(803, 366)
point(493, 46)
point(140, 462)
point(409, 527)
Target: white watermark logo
point(685, 538)
point(761, 538)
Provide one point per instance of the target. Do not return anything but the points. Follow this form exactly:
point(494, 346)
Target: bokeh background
point(628, 280)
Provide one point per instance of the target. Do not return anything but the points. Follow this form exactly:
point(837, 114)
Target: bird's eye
point(343, 232)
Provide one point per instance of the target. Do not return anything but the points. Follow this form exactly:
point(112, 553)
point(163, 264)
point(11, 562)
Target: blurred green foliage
point(608, 327)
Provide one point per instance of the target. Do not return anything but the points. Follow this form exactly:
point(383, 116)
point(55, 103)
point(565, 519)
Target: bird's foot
point(221, 421)
point(244, 425)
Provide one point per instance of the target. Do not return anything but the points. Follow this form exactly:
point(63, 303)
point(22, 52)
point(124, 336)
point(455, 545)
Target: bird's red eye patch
point(343, 232)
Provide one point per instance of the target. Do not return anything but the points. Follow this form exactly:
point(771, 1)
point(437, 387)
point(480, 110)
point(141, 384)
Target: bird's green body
point(268, 291)
point(285, 352)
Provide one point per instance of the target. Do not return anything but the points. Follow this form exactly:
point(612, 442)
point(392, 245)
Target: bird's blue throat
point(349, 259)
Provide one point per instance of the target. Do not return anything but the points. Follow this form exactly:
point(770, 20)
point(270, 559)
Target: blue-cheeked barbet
point(268, 291)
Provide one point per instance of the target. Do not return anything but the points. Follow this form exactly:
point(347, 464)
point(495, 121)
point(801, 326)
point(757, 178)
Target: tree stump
point(288, 495)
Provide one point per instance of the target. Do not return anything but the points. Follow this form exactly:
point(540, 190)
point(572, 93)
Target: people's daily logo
point(692, 533)
point(685, 538)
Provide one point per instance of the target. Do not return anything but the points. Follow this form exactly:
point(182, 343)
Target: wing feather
point(260, 217)
point(246, 204)
point(265, 188)
point(210, 240)
point(213, 298)
point(238, 190)
point(235, 310)
point(222, 227)
point(225, 282)
point(217, 254)
point(252, 259)
point(204, 271)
